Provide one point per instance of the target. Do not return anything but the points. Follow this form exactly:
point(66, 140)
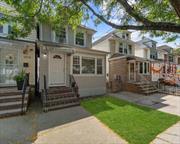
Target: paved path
point(170, 136)
point(85, 131)
point(66, 126)
point(163, 102)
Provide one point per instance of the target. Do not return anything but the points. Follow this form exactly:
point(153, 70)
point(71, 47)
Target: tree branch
point(176, 5)
point(161, 26)
point(130, 10)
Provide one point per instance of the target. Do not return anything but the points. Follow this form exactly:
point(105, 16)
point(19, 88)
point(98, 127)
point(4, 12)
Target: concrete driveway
point(163, 102)
point(66, 126)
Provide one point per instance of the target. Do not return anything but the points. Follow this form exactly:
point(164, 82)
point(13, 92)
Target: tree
point(159, 17)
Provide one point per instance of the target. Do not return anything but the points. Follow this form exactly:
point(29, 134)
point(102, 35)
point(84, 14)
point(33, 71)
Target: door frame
point(132, 62)
point(49, 74)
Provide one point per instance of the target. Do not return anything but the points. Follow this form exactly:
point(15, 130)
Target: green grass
point(136, 124)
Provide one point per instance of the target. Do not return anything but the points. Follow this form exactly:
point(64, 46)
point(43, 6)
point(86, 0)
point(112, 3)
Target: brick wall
point(118, 74)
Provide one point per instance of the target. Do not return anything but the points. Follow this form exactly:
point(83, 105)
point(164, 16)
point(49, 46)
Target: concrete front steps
point(60, 97)
point(146, 88)
point(11, 102)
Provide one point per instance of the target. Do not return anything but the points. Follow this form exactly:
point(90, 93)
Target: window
point(1, 26)
point(125, 49)
point(61, 35)
point(144, 67)
point(88, 65)
point(120, 47)
point(130, 49)
point(127, 35)
point(141, 68)
point(76, 65)
point(99, 66)
point(80, 38)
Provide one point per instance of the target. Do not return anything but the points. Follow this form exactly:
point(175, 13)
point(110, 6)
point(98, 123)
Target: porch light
point(44, 54)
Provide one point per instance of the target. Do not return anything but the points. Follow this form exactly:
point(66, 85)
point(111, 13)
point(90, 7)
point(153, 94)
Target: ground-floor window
point(144, 67)
point(87, 65)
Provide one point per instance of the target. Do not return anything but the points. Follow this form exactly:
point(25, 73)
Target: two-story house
point(115, 42)
point(165, 53)
point(69, 53)
point(124, 68)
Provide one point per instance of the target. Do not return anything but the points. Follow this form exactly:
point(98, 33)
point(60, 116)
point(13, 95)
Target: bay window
point(76, 65)
point(87, 65)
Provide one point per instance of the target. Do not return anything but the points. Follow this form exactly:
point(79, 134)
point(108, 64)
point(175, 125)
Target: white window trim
point(90, 56)
point(85, 36)
point(67, 39)
point(143, 68)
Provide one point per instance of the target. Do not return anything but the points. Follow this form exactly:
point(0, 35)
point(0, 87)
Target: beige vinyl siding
point(91, 85)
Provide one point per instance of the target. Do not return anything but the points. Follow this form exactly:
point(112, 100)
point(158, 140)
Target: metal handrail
point(74, 85)
point(24, 93)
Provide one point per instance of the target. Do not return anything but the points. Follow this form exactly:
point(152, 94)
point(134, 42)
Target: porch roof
point(128, 57)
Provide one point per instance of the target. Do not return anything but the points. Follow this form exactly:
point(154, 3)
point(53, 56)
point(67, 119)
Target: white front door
point(56, 69)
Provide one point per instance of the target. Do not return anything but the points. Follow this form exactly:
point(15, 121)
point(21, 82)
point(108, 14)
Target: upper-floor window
point(130, 49)
point(80, 38)
point(61, 35)
point(125, 50)
point(1, 26)
point(120, 47)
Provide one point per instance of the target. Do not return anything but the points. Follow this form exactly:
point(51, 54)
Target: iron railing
point(25, 83)
point(74, 85)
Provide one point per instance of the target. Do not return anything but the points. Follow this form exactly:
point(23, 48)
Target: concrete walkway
point(66, 126)
point(162, 102)
point(170, 136)
point(85, 131)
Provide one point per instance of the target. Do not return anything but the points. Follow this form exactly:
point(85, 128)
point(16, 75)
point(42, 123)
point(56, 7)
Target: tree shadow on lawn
point(107, 103)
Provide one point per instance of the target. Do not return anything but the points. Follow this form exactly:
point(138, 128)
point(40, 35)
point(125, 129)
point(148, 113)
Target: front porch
point(131, 73)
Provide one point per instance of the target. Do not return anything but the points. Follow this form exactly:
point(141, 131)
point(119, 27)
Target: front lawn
point(136, 124)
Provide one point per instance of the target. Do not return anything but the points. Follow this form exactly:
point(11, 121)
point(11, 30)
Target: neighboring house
point(165, 53)
point(16, 55)
point(146, 48)
point(115, 42)
point(125, 69)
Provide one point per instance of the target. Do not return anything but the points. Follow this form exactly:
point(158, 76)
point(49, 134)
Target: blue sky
point(103, 29)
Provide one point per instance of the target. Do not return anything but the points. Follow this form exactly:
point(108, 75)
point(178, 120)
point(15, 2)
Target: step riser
point(11, 100)
point(10, 114)
point(8, 107)
point(59, 91)
point(48, 104)
point(51, 97)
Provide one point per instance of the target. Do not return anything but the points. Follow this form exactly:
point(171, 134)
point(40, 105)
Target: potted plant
point(19, 78)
